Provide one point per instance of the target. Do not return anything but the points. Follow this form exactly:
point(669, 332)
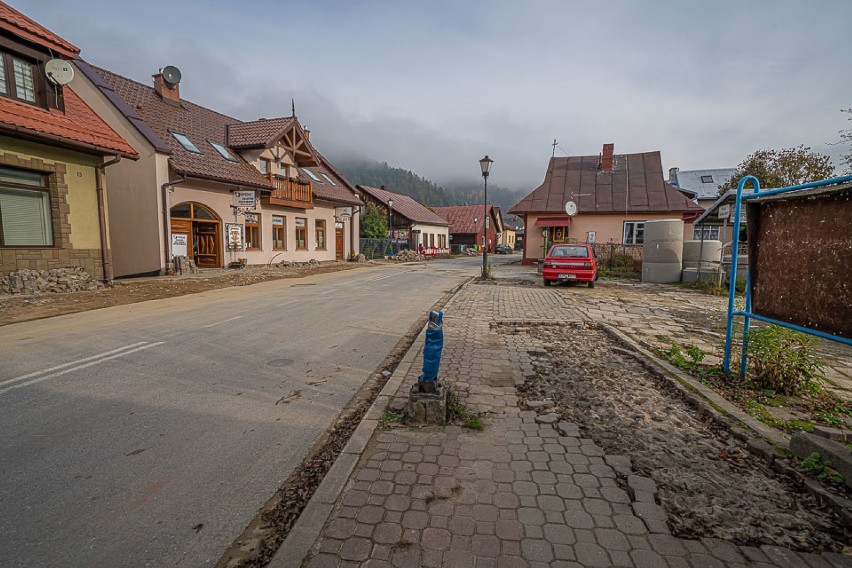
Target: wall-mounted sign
point(343, 213)
point(234, 231)
point(244, 199)
point(724, 212)
point(277, 221)
point(301, 222)
point(591, 236)
point(179, 244)
point(251, 217)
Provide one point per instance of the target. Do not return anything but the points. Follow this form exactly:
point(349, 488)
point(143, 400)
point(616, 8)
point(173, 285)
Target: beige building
point(214, 189)
point(600, 199)
point(54, 151)
point(508, 237)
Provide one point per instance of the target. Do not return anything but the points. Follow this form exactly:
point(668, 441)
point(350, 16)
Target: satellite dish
point(59, 72)
point(570, 208)
point(171, 75)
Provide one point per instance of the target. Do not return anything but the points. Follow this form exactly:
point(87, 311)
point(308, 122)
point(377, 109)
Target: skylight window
point(706, 179)
point(311, 174)
point(187, 144)
point(331, 181)
point(222, 151)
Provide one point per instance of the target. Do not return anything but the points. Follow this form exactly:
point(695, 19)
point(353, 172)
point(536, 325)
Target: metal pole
point(390, 231)
point(485, 229)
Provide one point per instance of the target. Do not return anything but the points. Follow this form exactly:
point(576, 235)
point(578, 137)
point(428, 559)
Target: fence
point(380, 248)
point(615, 255)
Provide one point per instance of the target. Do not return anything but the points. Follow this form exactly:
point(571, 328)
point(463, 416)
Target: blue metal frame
point(747, 314)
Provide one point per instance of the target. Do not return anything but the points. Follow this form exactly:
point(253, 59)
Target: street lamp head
point(390, 202)
point(485, 165)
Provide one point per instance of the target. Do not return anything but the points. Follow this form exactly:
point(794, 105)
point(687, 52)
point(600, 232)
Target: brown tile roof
point(461, 217)
point(200, 124)
point(260, 133)
point(78, 126)
point(342, 192)
point(635, 185)
point(406, 206)
point(13, 21)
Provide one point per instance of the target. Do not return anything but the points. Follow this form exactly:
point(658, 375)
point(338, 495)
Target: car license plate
point(568, 276)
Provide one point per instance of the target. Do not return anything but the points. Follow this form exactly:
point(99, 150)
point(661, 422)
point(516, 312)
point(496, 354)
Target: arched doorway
point(203, 231)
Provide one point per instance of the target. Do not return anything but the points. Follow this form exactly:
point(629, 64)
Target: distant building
point(468, 227)
point(702, 186)
point(612, 195)
point(422, 228)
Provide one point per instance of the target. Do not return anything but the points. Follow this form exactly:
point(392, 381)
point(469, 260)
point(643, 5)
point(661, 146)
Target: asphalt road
point(151, 434)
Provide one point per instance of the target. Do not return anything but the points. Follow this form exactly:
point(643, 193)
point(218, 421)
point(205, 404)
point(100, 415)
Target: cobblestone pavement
point(522, 492)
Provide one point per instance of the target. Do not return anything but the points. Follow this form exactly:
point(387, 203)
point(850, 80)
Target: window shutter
point(26, 217)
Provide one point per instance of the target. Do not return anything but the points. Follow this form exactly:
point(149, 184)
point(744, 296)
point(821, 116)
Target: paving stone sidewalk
point(525, 491)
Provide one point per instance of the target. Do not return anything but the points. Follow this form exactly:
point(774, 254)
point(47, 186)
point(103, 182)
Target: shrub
point(784, 360)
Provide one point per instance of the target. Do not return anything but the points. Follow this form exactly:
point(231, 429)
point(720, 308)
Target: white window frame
point(635, 227)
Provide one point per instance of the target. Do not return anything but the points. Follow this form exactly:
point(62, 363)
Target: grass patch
point(458, 413)
point(390, 418)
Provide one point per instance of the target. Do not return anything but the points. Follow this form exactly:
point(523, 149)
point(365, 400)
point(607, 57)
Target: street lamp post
point(390, 229)
point(485, 166)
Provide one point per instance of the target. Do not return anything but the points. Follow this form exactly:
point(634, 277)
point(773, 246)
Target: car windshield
point(569, 252)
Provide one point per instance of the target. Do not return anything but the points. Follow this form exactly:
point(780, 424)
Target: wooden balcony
point(291, 193)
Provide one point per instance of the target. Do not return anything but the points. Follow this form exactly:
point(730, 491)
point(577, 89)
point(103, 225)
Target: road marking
point(77, 362)
point(220, 322)
point(389, 276)
point(145, 345)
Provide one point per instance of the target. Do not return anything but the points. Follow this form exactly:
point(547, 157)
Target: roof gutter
point(106, 263)
point(168, 187)
point(36, 136)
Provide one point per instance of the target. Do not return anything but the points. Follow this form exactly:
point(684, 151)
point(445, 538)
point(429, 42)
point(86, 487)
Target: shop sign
point(179, 244)
point(244, 199)
point(235, 236)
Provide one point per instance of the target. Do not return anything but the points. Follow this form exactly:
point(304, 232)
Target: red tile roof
point(78, 126)
point(260, 133)
point(200, 124)
point(15, 22)
point(635, 185)
point(406, 206)
point(461, 217)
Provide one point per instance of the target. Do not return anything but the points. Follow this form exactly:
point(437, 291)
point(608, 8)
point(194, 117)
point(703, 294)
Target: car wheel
point(591, 283)
point(546, 282)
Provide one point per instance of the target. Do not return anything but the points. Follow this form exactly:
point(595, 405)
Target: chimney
point(673, 175)
point(168, 92)
point(606, 157)
point(383, 188)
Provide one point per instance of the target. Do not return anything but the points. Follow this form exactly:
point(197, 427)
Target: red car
point(570, 263)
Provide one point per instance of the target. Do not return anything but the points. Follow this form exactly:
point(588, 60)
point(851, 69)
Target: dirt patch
point(15, 309)
point(708, 484)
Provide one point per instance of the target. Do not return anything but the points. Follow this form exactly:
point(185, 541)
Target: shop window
point(320, 234)
point(279, 233)
point(25, 218)
point(301, 233)
point(634, 232)
point(252, 231)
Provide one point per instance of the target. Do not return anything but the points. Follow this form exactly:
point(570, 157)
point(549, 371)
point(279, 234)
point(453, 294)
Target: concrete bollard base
point(427, 407)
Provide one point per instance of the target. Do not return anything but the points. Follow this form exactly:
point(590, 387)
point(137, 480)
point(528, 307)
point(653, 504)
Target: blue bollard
point(432, 352)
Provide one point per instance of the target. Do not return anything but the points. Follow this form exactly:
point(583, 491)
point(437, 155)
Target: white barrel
point(709, 253)
point(661, 272)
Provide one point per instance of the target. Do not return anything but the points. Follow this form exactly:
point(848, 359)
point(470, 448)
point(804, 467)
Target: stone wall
point(39, 281)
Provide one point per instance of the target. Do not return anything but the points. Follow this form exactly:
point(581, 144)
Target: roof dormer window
point(184, 141)
point(18, 79)
point(706, 179)
point(312, 175)
point(223, 152)
point(331, 181)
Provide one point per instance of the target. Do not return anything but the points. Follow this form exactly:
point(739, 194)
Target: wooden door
point(338, 243)
point(206, 244)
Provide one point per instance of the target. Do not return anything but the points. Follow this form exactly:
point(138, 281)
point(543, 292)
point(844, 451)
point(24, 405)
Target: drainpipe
point(99, 189)
point(167, 188)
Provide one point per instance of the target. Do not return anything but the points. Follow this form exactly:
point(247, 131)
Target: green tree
point(782, 168)
point(374, 223)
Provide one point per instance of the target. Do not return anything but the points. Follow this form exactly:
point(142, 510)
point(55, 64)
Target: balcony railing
point(291, 193)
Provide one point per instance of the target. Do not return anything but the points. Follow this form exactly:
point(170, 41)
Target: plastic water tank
point(710, 253)
point(662, 253)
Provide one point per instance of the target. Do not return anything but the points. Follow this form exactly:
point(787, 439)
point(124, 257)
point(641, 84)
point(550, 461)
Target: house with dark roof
point(702, 186)
point(473, 226)
point(409, 221)
point(603, 198)
point(53, 153)
point(212, 188)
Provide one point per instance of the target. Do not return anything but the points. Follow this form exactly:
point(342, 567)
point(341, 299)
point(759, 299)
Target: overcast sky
point(433, 85)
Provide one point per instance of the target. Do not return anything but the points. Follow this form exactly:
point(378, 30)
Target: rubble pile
point(471, 252)
point(408, 256)
point(288, 264)
point(24, 281)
